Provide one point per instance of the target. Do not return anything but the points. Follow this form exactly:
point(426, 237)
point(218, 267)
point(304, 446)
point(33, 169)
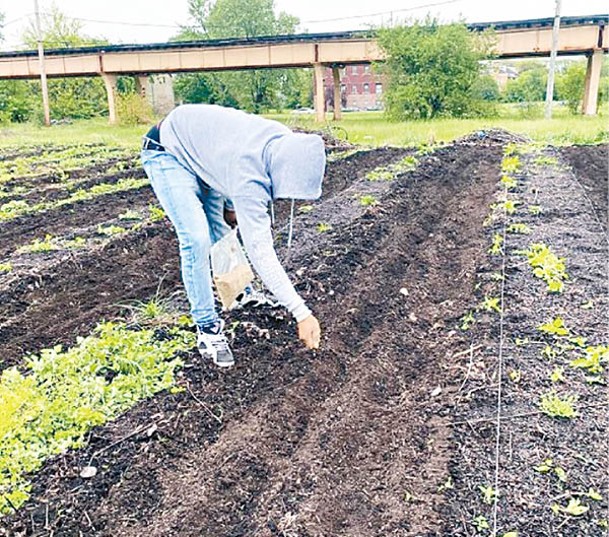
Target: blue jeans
point(197, 214)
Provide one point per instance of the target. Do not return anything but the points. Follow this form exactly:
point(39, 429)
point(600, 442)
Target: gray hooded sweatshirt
point(251, 161)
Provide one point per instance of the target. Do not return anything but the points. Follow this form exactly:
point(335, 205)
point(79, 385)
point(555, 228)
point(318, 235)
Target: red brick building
point(361, 88)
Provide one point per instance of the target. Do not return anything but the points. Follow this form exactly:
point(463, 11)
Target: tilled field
point(388, 429)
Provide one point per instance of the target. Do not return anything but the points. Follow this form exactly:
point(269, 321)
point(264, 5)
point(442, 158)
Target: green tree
point(68, 97)
point(530, 85)
point(432, 69)
point(570, 85)
point(253, 90)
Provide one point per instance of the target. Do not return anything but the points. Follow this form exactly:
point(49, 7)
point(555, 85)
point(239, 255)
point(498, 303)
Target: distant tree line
point(432, 70)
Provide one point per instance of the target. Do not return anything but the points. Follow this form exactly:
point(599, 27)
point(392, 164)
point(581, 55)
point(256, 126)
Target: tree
point(530, 86)
point(431, 69)
point(2, 16)
point(253, 90)
point(570, 85)
point(68, 97)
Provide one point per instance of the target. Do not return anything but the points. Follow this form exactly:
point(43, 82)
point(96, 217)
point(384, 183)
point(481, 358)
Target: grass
point(369, 128)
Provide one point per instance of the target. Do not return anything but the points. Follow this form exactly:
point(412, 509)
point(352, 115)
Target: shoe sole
point(223, 365)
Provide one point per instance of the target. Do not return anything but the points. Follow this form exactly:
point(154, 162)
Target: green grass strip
point(64, 393)
point(16, 208)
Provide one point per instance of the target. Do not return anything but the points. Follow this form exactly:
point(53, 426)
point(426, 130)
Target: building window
point(366, 88)
point(354, 69)
point(379, 88)
point(354, 89)
point(367, 69)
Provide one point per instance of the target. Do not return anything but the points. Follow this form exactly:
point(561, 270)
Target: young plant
point(368, 201)
point(5, 267)
point(491, 304)
point(467, 321)
point(574, 508)
point(511, 164)
point(110, 230)
point(130, 215)
point(593, 359)
point(555, 327)
point(480, 523)
point(519, 228)
point(48, 244)
point(509, 181)
point(489, 494)
point(323, 227)
point(496, 247)
point(156, 213)
point(552, 405)
point(558, 374)
point(547, 266)
point(305, 209)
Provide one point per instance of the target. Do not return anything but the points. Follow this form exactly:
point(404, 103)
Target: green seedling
point(491, 304)
point(534, 209)
point(13, 208)
point(521, 229)
point(558, 374)
point(547, 266)
point(515, 376)
point(548, 467)
point(594, 495)
point(509, 181)
point(510, 164)
point(497, 277)
point(555, 327)
point(130, 214)
point(447, 485)
point(511, 149)
point(574, 508)
point(593, 359)
point(304, 209)
point(368, 201)
point(510, 534)
point(156, 213)
point(578, 341)
point(509, 206)
point(496, 247)
point(587, 305)
point(467, 321)
point(489, 494)
point(110, 230)
point(480, 523)
point(552, 405)
point(323, 227)
point(48, 244)
point(5, 267)
point(521, 341)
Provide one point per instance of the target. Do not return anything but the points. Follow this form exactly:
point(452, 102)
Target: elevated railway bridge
point(587, 36)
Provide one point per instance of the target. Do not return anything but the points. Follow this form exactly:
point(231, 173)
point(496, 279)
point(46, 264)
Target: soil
point(290, 443)
point(589, 165)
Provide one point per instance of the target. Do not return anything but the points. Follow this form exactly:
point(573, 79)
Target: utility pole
point(43, 74)
point(550, 86)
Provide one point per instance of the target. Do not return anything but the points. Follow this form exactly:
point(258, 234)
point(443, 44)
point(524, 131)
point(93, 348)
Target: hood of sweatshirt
point(296, 163)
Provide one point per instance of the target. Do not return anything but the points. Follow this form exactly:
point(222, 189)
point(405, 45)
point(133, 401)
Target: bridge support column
point(338, 113)
point(320, 97)
point(110, 83)
point(141, 85)
point(593, 80)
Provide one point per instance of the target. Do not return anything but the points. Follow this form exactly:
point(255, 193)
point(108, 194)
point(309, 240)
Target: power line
point(403, 10)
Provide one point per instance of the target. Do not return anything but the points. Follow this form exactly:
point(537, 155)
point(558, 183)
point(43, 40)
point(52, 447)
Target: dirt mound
point(353, 440)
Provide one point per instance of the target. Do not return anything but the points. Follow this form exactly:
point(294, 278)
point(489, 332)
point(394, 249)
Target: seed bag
point(231, 269)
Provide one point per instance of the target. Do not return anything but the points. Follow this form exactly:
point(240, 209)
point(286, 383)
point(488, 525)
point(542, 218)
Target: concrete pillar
point(338, 114)
point(110, 83)
point(160, 94)
point(592, 85)
point(320, 112)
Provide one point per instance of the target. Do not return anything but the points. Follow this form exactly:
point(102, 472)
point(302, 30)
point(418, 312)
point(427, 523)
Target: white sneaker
point(212, 343)
point(253, 298)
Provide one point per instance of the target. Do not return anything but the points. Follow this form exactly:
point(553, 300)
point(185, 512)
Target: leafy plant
point(322, 227)
point(130, 214)
point(555, 327)
point(552, 405)
point(509, 181)
point(558, 374)
point(491, 304)
point(6, 267)
point(156, 213)
point(480, 523)
point(496, 247)
point(547, 266)
point(489, 494)
point(534, 209)
point(511, 164)
point(548, 466)
point(48, 244)
point(574, 508)
point(593, 359)
point(545, 161)
point(368, 201)
point(515, 376)
point(304, 209)
point(66, 393)
point(467, 321)
point(110, 230)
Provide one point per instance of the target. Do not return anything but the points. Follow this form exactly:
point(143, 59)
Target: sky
point(151, 21)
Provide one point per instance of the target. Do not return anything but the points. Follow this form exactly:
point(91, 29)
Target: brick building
point(361, 88)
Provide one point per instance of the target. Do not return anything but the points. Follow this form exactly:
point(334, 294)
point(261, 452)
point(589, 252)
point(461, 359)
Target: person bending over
point(202, 157)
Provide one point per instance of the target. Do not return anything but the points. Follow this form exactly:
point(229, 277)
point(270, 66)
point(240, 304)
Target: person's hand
point(230, 217)
point(309, 332)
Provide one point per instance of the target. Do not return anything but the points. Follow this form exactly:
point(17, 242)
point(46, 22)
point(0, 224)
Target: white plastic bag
point(231, 269)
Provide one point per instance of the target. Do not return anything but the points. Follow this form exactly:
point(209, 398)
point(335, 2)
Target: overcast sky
point(148, 21)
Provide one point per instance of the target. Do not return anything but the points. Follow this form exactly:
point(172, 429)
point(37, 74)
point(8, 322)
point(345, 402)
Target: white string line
point(500, 364)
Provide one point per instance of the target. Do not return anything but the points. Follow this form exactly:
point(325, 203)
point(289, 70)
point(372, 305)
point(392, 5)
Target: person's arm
point(255, 229)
